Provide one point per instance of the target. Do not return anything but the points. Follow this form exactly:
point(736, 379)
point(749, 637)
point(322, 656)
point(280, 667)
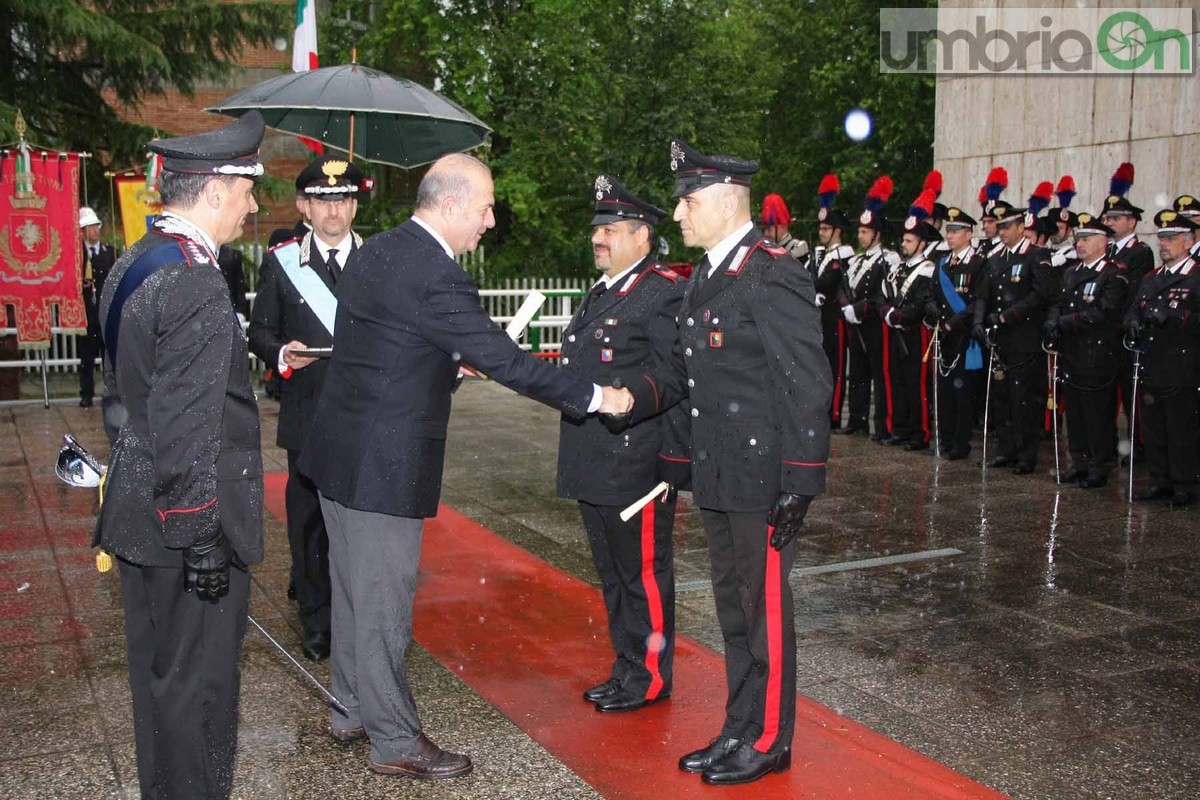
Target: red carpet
point(529, 638)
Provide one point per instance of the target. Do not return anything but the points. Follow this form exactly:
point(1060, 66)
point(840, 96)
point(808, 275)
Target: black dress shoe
point(1000, 461)
point(849, 430)
point(601, 691)
point(747, 764)
point(1155, 493)
point(895, 441)
point(1180, 499)
point(624, 700)
point(1023, 469)
point(912, 447)
point(316, 646)
point(957, 455)
point(1094, 480)
point(85, 402)
point(705, 757)
point(1073, 475)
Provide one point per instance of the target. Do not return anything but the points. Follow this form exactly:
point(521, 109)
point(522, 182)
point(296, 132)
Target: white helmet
point(87, 217)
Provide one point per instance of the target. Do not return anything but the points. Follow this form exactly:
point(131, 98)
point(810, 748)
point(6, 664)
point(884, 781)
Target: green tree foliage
point(572, 88)
point(72, 66)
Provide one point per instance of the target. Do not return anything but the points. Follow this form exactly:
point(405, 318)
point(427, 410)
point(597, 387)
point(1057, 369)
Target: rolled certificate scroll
point(520, 321)
point(634, 508)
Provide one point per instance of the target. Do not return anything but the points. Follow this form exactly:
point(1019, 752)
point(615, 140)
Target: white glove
point(241, 319)
point(1058, 260)
point(820, 299)
point(848, 313)
point(800, 249)
point(888, 318)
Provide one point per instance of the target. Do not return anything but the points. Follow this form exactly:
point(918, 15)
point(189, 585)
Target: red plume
point(1065, 190)
point(1122, 179)
point(933, 183)
point(879, 193)
point(983, 195)
point(829, 184)
point(997, 182)
point(775, 211)
point(922, 207)
point(1040, 199)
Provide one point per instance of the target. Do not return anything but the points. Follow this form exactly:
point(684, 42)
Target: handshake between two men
point(785, 519)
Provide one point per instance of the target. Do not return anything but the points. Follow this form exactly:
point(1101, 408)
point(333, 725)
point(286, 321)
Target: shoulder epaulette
point(666, 272)
point(771, 247)
point(284, 244)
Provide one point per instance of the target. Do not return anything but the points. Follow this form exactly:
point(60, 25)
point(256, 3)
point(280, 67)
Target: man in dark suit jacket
point(98, 259)
point(182, 509)
point(295, 310)
point(624, 325)
point(749, 359)
point(408, 316)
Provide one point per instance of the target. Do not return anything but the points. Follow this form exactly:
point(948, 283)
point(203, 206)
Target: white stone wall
point(1040, 128)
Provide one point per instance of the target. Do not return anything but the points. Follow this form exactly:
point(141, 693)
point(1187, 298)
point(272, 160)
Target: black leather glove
point(1155, 316)
point(981, 334)
point(206, 568)
point(787, 517)
point(616, 423)
point(1133, 327)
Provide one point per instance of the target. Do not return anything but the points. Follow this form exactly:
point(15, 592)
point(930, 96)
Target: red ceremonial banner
point(41, 252)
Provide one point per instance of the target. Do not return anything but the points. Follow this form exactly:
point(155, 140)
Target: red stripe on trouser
point(657, 640)
point(887, 377)
point(841, 369)
point(926, 336)
point(773, 602)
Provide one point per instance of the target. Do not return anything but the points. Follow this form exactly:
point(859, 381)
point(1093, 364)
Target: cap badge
point(677, 156)
point(865, 218)
point(334, 170)
point(603, 187)
point(910, 224)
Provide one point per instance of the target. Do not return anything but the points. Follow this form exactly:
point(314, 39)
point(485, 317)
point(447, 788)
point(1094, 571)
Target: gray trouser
point(373, 561)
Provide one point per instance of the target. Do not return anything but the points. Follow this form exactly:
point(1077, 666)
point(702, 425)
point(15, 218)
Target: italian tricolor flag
point(304, 43)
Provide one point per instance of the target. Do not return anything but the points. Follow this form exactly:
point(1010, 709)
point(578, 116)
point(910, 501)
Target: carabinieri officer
point(624, 326)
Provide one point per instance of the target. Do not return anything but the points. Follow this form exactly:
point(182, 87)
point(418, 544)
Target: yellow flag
point(138, 207)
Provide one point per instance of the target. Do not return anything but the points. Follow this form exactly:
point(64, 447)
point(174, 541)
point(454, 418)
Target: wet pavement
point(1042, 641)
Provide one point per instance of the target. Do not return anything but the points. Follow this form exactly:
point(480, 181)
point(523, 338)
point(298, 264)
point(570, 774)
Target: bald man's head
point(455, 198)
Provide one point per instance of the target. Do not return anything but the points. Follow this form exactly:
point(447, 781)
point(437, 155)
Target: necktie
point(331, 261)
point(701, 273)
point(597, 290)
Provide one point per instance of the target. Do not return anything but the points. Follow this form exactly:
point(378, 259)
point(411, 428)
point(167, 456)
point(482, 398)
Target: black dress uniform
point(281, 314)
point(959, 359)
point(1165, 321)
point(749, 359)
point(861, 289)
point(1087, 319)
point(831, 271)
point(1014, 289)
point(905, 301)
point(98, 260)
point(618, 331)
point(232, 266)
point(185, 471)
point(1135, 260)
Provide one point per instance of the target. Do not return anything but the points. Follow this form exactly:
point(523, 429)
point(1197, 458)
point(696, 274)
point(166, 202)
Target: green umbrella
point(364, 112)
